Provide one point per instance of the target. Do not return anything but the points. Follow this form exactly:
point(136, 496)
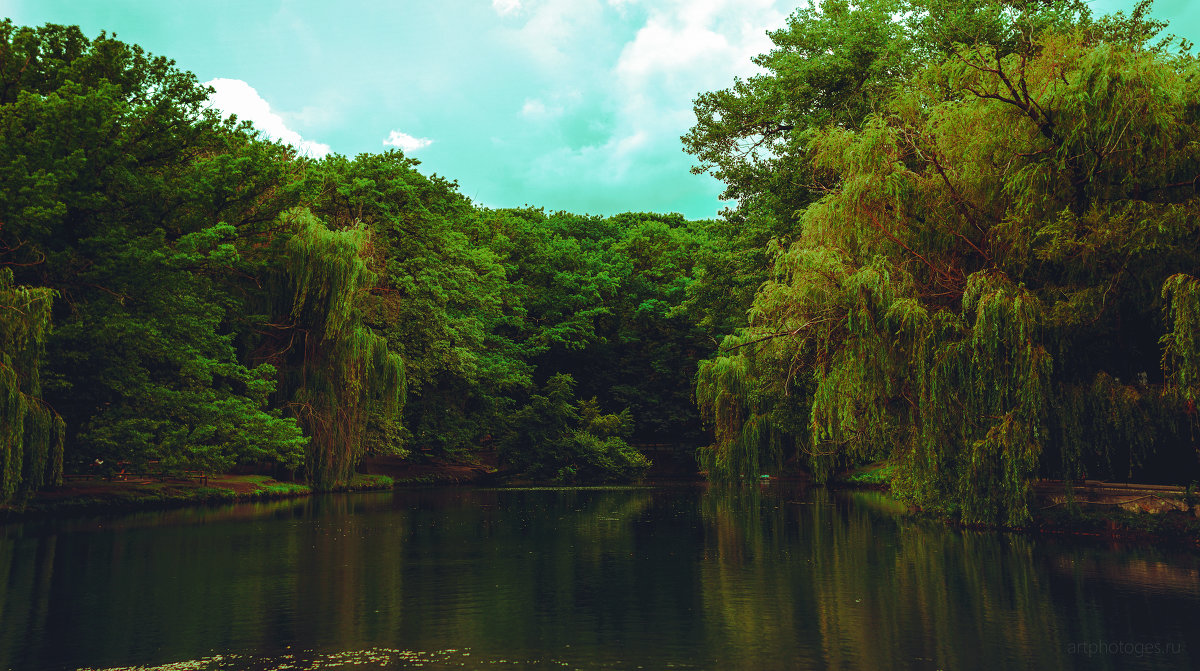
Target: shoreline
point(1149, 513)
point(1080, 518)
point(83, 496)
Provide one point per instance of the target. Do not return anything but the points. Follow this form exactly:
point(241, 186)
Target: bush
point(555, 437)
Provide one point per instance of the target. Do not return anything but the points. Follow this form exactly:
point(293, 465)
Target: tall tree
point(983, 268)
point(441, 299)
point(133, 202)
point(337, 374)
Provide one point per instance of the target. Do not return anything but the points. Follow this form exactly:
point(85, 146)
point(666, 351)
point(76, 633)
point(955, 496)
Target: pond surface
point(681, 577)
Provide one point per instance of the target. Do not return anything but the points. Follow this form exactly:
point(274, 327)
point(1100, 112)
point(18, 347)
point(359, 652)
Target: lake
point(675, 577)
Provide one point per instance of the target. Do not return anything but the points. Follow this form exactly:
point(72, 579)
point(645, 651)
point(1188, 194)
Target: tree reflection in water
point(757, 577)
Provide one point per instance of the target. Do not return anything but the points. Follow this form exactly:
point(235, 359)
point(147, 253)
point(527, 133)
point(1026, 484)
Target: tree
point(337, 374)
point(31, 433)
point(984, 266)
point(442, 301)
point(832, 66)
point(132, 203)
point(556, 437)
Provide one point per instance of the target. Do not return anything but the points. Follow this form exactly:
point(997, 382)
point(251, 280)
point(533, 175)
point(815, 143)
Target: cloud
point(633, 69)
point(683, 48)
point(565, 38)
point(506, 7)
point(535, 109)
point(234, 96)
point(700, 43)
point(406, 142)
point(325, 115)
point(660, 47)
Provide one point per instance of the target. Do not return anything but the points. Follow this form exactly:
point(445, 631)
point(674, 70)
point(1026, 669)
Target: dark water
point(671, 578)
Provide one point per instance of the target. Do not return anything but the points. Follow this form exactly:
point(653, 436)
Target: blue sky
point(567, 104)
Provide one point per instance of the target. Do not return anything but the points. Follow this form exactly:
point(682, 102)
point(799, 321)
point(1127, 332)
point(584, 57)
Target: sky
point(571, 105)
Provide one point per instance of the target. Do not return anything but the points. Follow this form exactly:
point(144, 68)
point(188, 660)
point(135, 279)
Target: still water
point(680, 577)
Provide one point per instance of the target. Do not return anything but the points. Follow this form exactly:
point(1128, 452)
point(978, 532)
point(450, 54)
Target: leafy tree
point(337, 372)
point(832, 66)
point(979, 262)
point(31, 433)
point(600, 299)
point(648, 357)
point(441, 300)
point(133, 203)
point(554, 436)
point(220, 301)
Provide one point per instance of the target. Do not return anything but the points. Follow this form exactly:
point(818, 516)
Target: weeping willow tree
point(725, 398)
point(1181, 344)
point(31, 433)
point(337, 374)
point(748, 397)
point(994, 257)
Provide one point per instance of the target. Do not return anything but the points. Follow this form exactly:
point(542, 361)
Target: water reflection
point(684, 577)
point(843, 581)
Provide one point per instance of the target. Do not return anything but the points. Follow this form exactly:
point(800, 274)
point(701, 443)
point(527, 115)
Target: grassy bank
point(91, 496)
point(95, 495)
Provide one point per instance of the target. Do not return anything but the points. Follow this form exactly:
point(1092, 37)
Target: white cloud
point(637, 66)
point(234, 96)
point(702, 41)
point(564, 37)
point(663, 47)
point(535, 109)
point(609, 163)
point(682, 48)
point(505, 7)
point(685, 47)
point(325, 115)
point(406, 142)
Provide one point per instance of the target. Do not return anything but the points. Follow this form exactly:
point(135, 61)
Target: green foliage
point(556, 437)
point(31, 433)
point(603, 301)
point(995, 215)
point(878, 475)
point(1181, 344)
point(442, 299)
point(133, 203)
point(221, 301)
point(960, 227)
point(1112, 431)
point(741, 432)
point(337, 373)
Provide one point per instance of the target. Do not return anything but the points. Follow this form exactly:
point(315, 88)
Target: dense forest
point(964, 241)
point(177, 289)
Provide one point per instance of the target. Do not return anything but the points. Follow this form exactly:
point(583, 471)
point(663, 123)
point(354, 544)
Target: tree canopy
point(176, 290)
point(984, 261)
